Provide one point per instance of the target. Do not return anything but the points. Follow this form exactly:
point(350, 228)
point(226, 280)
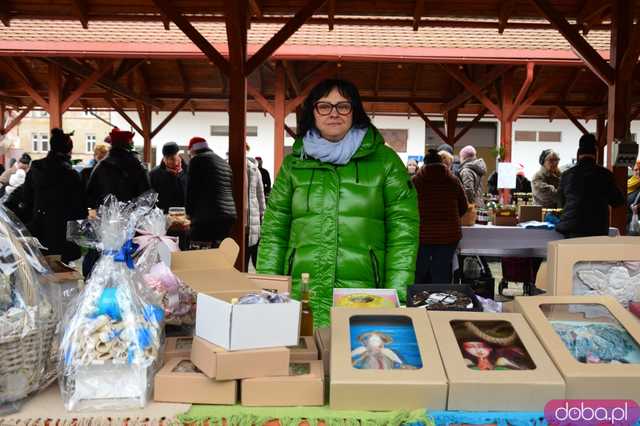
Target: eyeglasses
point(325, 108)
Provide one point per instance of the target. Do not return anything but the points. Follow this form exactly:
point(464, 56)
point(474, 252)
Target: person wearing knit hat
point(169, 178)
point(586, 192)
point(209, 200)
point(52, 195)
point(121, 173)
point(441, 203)
point(547, 180)
point(472, 170)
point(454, 163)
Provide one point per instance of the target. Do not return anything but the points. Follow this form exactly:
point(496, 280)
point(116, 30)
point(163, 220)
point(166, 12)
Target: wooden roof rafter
point(506, 10)
point(418, 11)
point(80, 8)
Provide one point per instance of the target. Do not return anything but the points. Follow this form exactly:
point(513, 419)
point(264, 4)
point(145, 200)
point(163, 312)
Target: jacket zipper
point(291, 257)
point(374, 266)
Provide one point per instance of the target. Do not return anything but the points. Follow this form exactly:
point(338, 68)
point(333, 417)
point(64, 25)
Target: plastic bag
point(177, 299)
point(112, 338)
point(634, 225)
point(28, 318)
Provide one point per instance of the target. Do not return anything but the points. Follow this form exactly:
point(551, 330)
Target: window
point(40, 114)
point(40, 142)
point(91, 142)
point(537, 136)
point(87, 114)
point(224, 130)
point(526, 136)
point(550, 136)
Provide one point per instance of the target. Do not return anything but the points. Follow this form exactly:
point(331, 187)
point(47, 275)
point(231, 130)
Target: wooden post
point(506, 123)
point(237, 39)
point(619, 98)
point(278, 146)
point(2, 131)
point(601, 135)
point(451, 119)
point(55, 101)
point(145, 120)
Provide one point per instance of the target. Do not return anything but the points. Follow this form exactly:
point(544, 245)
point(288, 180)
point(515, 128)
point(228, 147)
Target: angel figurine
point(617, 282)
point(373, 355)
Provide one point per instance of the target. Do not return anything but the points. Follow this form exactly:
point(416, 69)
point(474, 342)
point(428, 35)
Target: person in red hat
point(51, 195)
point(121, 173)
point(209, 202)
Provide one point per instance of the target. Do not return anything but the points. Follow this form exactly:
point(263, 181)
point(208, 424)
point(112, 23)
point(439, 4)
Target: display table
point(47, 409)
point(508, 241)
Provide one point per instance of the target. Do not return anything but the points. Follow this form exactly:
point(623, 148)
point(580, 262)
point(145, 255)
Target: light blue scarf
point(339, 152)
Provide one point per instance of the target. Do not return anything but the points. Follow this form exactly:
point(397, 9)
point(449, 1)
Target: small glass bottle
point(306, 320)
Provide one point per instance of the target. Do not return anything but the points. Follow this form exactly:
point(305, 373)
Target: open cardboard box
point(216, 363)
point(304, 386)
point(231, 326)
point(474, 389)
point(323, 342)
point(584, 380)
point(307, 350)
point(357, 380)
point(281, 283)
point(562, 256)
point(191, 387)
point(177, 347)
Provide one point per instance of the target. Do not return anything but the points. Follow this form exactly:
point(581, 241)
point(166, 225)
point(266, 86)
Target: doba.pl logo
point(584, 412)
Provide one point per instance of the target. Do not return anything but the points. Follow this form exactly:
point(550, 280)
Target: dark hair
point(25, 159)
point(60, 141)
point(347, 89)
point(432, 157)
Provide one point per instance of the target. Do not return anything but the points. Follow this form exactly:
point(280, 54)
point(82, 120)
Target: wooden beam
point(582, 48)
point(4, 13)
point(469, 126)
point(483, 82)
point(429, 122)
point(123, 114)
point(418, 10)
point(630, 58)
point(256, 8)
point(265, 104)
point(590, 12)
point(327, 71)
point(331, 11)
point(7, 128)
point(55, 99)
point(169, 117)
point(473, 89)
point(291, 76)
point(289, 131)
point(125, 67)
point(541, 90)
point(3, 115)
point(506, 10)
point(186, 85)
point(280, 114)
point(573, 119)
point(144, 112)
point(90, 81)
point(282, 35)
point(451, 120)
point(166, 7)
point(11, 67)
point(80, 9)
point(525, 85)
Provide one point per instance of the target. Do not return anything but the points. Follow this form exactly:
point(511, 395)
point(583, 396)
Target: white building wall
point(185, 125)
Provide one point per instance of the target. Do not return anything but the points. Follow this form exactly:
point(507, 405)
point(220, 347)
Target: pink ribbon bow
point(147, 238)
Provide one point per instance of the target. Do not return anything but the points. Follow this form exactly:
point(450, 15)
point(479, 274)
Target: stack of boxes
point(248, 353)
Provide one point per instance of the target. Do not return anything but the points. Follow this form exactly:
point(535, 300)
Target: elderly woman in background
point(471, 171)
point(342, 208)
point(547, 180)
point(447, 158)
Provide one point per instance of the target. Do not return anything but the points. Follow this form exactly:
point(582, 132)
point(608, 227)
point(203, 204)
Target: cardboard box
point(233, 327)
point(307, 350)
point(323, 342)
point(419, 382)
point(529, 213)
point(584, 380)
point(365, 298)
point(216, 363)
point(495, 390)
point(177, 347)
point(191, 387)
point(281, 283)
point(506, 221)
point(563, 255)
point(304, 386)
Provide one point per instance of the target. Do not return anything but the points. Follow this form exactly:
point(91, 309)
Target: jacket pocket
point(290, 259)
point(375, 268)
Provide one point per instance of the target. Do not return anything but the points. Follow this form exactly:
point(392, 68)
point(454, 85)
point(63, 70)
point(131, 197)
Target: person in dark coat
point(209, 203)
point(523, 185)
point(53, 194)
point(169, 179)
point(99, 153)
point(120, 174)
point(586, 191)
point(266, 178)
point(442, 203)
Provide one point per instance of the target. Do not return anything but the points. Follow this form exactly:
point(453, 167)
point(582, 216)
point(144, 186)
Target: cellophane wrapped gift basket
point(28, 315)
point(112, 337)
point(154, 248)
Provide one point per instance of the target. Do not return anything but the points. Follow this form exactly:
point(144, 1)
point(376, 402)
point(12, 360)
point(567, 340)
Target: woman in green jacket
point(342, 208)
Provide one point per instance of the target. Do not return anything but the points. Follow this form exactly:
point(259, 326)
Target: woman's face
point(333, 124)
point(551, 162)
point(412, 167)
point(636, 170)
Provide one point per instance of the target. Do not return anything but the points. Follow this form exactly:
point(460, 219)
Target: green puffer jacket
point(353, 226)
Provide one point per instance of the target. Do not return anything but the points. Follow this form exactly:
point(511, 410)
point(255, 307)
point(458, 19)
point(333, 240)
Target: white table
point(509, 241)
